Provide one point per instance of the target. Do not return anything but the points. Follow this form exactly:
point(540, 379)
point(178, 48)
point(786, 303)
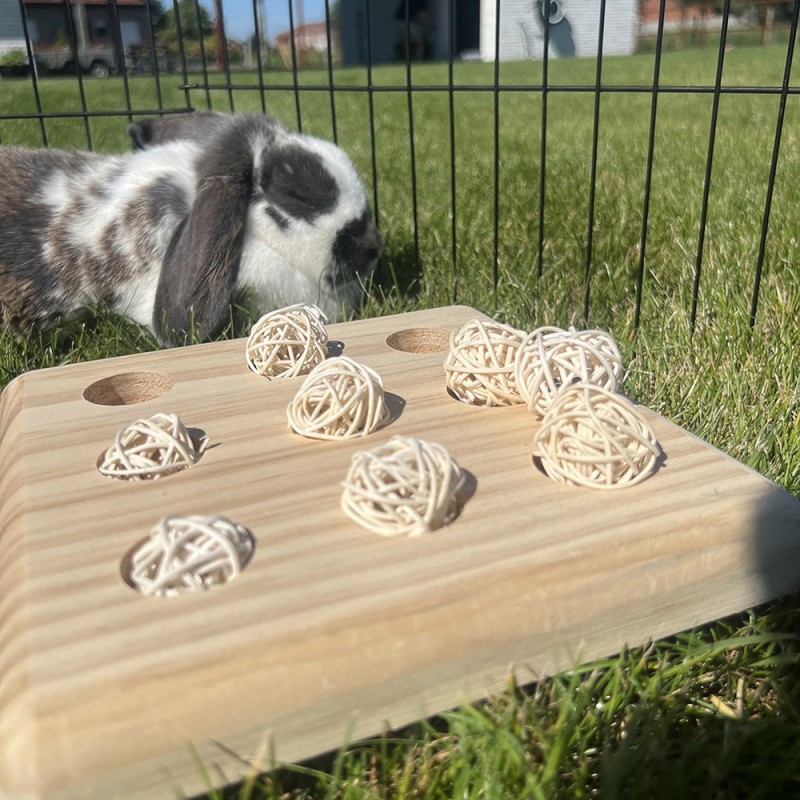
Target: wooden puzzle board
point(330, 633)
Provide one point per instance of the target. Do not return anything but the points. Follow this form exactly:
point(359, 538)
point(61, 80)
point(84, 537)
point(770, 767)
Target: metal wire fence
point(202, 75)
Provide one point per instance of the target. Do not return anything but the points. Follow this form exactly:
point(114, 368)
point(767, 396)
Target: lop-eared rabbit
point(207, 208)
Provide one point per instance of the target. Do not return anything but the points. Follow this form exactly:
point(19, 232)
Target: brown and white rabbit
point(209, 207)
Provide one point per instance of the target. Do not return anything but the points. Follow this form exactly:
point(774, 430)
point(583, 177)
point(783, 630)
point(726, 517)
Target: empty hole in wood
point(128, 388)
point(420, 340)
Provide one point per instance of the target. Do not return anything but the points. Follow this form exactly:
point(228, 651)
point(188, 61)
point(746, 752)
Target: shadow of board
point(775, 544)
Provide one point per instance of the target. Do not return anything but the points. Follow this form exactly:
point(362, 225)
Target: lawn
point(713, 712)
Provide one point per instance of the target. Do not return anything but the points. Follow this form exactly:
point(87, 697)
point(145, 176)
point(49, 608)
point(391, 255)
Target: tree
point(158, 16)
point(190, 11)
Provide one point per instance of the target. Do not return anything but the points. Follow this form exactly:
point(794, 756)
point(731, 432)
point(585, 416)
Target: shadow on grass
point(776, 543)
point(729, 727)
point(399, 272)
point(730, 731)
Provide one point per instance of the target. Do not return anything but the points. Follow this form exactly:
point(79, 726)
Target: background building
point(574, 26)
point(12, 35)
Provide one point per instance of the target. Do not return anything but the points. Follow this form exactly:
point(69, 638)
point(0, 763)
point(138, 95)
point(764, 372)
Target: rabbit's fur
point(210, 206)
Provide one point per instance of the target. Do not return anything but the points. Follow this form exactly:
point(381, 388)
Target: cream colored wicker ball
point(479, 366)
point(550, 358)
point(405, 487)
point(190, 554)
point(151, 448)
point(287, 342)
point(593, 437)
point(339, 399)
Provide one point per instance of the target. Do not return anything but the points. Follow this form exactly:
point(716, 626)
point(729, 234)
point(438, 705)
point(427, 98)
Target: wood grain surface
point(330, 633)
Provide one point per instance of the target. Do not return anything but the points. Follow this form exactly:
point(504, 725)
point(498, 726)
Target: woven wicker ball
point(287, 342)
point(550, 358)
point(479, 366)
point(190, 554)
point(151, 448)
point(593, 437)
point(339, 399)
point(405, 487)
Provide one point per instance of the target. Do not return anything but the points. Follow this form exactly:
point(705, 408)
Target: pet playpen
point(209, 73)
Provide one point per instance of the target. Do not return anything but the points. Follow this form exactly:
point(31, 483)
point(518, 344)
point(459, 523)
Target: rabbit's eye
point(297, 182)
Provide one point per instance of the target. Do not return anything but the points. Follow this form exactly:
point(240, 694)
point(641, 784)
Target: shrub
point(14, 58)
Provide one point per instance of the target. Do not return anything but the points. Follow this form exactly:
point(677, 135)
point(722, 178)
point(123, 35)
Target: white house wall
point(11, 37)
point(573, 30)
point(8, 45)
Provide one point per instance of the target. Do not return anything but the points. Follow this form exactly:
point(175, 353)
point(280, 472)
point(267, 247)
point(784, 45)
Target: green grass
point(711, 713)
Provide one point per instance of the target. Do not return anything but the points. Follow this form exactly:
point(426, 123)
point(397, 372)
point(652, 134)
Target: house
point(573, 30)
point(310, 36)
point(310, 44)
point(12, 35)
point(574, 26)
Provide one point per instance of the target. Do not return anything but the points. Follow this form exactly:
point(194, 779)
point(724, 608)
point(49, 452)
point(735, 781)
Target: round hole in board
point(420, 340)
point(128, 388)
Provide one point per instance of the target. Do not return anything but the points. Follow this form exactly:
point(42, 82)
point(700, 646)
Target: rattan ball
point(339, 399)
point(593, 437)
point(151, 448)
point(288, 342)
point(479, 366)
point(190, 554)
point(550, 358)
point(405, 487)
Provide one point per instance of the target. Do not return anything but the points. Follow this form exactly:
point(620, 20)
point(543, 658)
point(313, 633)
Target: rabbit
point(205, 209)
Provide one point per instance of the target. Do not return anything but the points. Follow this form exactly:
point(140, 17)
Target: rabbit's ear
point(157, 130)
point(199, 274)
point(141, 133)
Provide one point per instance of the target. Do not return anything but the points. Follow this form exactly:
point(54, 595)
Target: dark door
point(468, 25)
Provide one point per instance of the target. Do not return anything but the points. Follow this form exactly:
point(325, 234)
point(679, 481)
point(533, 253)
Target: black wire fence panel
point(492, 174)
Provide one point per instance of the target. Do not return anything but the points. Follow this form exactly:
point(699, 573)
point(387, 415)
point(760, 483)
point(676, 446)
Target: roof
point(310, 30)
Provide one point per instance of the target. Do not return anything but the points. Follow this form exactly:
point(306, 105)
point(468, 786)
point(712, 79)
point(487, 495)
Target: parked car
point(99, 62)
